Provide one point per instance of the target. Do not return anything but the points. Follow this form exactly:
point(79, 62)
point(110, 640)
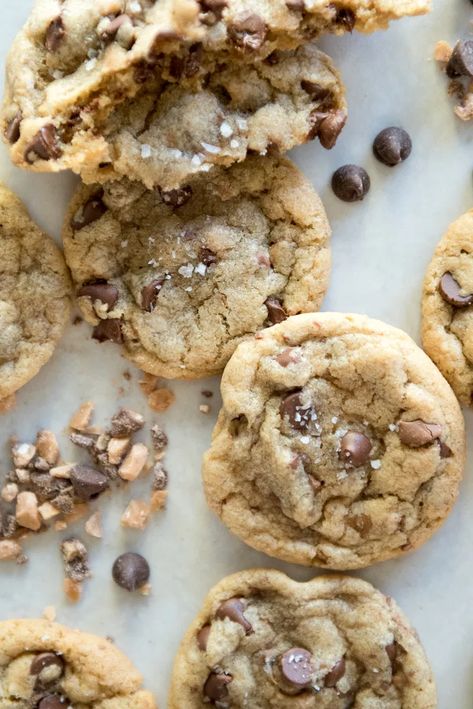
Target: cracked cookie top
point(179, 278)
point(75, 61)
point(44, 665)
point(265, 641)
point(339, 443)
point(34, 295)
point(447, 307)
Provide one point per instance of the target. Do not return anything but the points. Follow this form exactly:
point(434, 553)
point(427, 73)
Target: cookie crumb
point(161, 399)
point(204, 409)
point(158, 500)
point(9, 550)
point(93, 526)
point(49, 613)
point(7, 404)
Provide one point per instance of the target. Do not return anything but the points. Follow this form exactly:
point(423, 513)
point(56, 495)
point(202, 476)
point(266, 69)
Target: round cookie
point(75, 61)
point(34, 295)
point(339, 443)
point(180, 278)
point(447, 307)
point(333, 642)
point(48, 666)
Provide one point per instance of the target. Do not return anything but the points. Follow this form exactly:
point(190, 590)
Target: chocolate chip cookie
point(179, 278)
point(265, 641)
point(75, 61)
point(48, 666)
point(34, 295)
point(339, 443)
point(447, 307)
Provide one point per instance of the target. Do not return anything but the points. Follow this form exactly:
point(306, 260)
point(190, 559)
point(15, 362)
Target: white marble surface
point(380, 250)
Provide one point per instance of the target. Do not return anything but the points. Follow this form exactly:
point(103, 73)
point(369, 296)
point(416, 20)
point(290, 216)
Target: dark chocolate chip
point(234, 610)
point(99, 290)
point(292, 408)
point(327, 126)
point(351, 183)
point(461, 61)
point(44, 145)
point(335, 674)
point(392, 146)
point(248, 33)
point(111, 29)
point(450, 290)
point(12, 131)
point(131, 571)
point(418, 433)
point(52, 701)
point(88, 482)
point(92, 210)
point(207, 257)
point(46, 659)
point(276, 312)
point(150, 292)
point(215, 687)
point(346, 18)
point(54, 34)
point(355, 449)
point(296, 666)
point(108, 330)
point(315, 91)
point(177, 198)
point(203, 637)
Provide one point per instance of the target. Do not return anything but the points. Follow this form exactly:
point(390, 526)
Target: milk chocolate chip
point(203, 637)
point(327, 126)
point(335, 674)
point(177, 198)
point(108, 330)
point(54, 34)
point(48, 667)
point(248, 33)
point(150, 292)
point(12, 131)
point(44, 145)
point(276, 312)
point(450, 290)
point(296, 666)
point(215, 687)
point(418, 433)
point(298, 414)
point(234, 609)
point(52, 701)
point(99, 290)
point(355, 449)
point(89, 212)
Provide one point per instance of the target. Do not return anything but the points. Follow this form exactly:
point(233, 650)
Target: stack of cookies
point(197, 248)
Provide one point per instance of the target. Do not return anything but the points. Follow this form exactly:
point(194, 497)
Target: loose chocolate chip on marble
point(108, 330)
point(203, 637)
point(131, 571)
point(99, 289)
point(445, 451)
point(248, 33)
point(346, 18)
point(54, 34)
point(292, 408)
point(296, 666)
point(327, 126)
point(215, 687)
point(52, 701)
point(392, 146)
point(150, 292)
point(92, 210)
point(44, 145)
point(418, 433)
point(351, 183)
point(461, 61)
point(335, 674)
point(234, 610)
point(45, 660)
point(87, 482)
point(207, 257)
point(315, 91)
point(112, 28)
point(450, 290)
point(12, 131)
point(355, 449)
point(276, 312)
point(177, 198)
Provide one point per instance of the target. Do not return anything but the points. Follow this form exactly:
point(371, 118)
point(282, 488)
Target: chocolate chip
point(391, 650)
point(131, 571)
point(298, 414)
point(100, 290)
point(450, 290)
point(44, 145)
point(248, 33)
point(89, 212)
point(276, 312)
point(418, 433)
point(392, 146)
point(215, 687)
point(234, 609)
point(44, 660)
point(327, 126)
point(296, 666)
point(54, 34)
point(335, 674)
point(461, 61)
point(315, 91)
point(355, 449)
point(87, 482)
point(445, 451)
point(203, 637)
point(52, 701)
point(126, 422)
point(361, 523)
point(150, 292)
point(108, 330)
point(346, 18)
point(215, 6)
point(207, 257)
point(351, 183)
point(295, 5)
point(112, 28)
point(177, 198)
point(286, 357)
point(12, 131)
